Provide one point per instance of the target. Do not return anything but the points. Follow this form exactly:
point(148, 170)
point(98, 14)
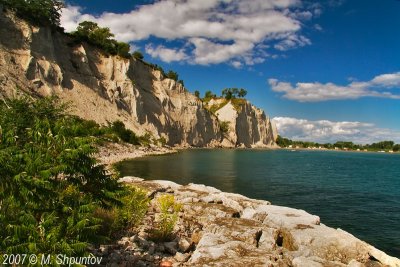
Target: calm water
point(358, 192)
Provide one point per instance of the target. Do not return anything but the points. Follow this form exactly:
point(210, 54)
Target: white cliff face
point(248, 126)
point(109, 88)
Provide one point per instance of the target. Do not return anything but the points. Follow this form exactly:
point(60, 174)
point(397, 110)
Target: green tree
point(172, 75)
point(38, 12)
point(138, 55)
point(102, 38)
point(208, 94)
point(50, 183)
point(197, 93)
point(242, 93)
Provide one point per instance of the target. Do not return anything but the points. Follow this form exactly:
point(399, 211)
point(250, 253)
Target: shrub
point(102, 38)
point(145, 140)
point(172, 75)
point(167, 218)
point(132, 211)
point(224, 127)
point(50, 184)
point(126, 135)
point(38, 12)
point(138, 55)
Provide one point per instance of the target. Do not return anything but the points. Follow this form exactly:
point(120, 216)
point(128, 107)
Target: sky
point(326, 71)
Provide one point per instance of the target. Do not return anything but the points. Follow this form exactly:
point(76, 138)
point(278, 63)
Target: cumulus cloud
point(166, 54)
point(213, 31)
point(324, 131)
point(314, 92)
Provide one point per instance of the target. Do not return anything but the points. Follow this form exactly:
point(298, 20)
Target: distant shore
point(340, 150)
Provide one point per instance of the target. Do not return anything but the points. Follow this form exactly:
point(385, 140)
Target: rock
point(184, 245)
point(170, 247)
point(165, 263)
point(305, 262)
point(140, 264)
point(180, 257)
point(196, 236)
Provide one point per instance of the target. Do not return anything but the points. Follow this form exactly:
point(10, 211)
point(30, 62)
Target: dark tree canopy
point(138, 55)
point(38, 12)
point(172, 75)
point(101, 37)
point(197, 93)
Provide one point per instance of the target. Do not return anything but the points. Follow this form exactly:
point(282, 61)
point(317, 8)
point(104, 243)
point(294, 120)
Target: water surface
point(358, 192)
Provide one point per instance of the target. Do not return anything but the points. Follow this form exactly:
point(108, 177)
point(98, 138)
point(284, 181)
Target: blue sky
point(325, 70)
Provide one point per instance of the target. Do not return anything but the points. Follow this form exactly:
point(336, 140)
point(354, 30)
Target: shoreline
point(112, 153)
point(216, 228)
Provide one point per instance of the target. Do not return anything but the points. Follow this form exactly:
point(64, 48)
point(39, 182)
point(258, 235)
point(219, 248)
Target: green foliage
point(209, 94)
point(132, 211)
point(343, 145)
point(162, 141)
point(230, 93)
point(38, 12)
point(102, 38)
point(145, 140)
point(214, 108)
point(242, 92)
point(126, 135)
point(50, 184)
point(238, 103)
point(172, 75)
point(167, 218)
point(138, 55)
point(224, 126)
point(197, 94)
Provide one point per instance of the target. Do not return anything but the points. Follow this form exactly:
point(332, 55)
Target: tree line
point(379, 146)
point(227, 93)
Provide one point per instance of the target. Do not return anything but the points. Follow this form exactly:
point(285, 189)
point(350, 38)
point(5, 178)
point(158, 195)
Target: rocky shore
point(225, 229)
point(111, 153)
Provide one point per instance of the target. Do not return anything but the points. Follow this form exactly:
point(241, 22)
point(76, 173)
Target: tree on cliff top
point(101, 37)
point(38, 12)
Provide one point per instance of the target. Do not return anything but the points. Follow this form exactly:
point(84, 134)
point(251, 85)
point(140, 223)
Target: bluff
point(104, 88)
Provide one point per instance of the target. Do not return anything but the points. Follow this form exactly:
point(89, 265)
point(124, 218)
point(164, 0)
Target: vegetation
point(197, 94)
point(230, 93)
point(126, 135)
point(102, 38)
point(167, 218)
point(209, 95)
point(50, 183)
point(217, 106)
point(172, 75)
point(37, 12)
point(224, 126)
point(343, 145)
point(138, 55)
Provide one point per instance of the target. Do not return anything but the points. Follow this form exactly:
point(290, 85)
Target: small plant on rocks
point(166, 219)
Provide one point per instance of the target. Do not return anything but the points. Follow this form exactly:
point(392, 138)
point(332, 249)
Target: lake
point(358, 192)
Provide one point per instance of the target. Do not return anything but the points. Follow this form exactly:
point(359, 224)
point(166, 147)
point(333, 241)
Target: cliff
point(224, 229)
point(247, 125)
point(105, 88)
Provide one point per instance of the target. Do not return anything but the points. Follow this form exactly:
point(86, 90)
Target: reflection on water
point(354, 191)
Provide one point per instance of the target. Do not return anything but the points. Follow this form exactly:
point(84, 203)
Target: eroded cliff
point(105, 88)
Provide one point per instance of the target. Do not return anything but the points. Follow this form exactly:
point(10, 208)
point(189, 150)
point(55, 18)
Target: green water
point(358, 192)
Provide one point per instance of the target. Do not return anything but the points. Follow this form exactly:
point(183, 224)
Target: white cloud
point(324, 131)
point(166, 54)
point(216, 30)
point(314, 92)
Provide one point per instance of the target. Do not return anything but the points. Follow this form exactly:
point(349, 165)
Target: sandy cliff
point(109, 88)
